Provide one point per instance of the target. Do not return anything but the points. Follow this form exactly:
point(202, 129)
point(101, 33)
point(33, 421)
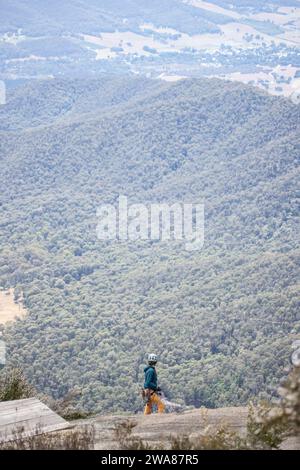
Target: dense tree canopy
point(221, 319)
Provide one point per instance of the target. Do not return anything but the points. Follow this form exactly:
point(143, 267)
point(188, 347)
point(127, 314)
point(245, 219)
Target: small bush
point(74, 439)
point(290, 402)
point(67, 407)
point(211, 438)
point(72, 414)
point(125, 439)
point(14, 386)
point(263, 432)
point(272, 424)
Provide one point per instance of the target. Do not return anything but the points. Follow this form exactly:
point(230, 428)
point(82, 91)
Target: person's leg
point(160, 406)
point(148, 407)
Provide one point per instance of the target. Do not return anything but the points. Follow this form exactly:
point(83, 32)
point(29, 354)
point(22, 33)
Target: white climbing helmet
point(152, 358)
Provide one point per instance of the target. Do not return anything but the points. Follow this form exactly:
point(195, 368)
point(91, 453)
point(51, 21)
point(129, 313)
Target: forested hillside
point(221, 319)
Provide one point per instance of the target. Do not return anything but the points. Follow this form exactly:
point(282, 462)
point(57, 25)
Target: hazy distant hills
point(91, 16)
point(107, 15)
point(248, 41)
point(221, 319)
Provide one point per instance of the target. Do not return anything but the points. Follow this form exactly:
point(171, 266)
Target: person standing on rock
point(151, 389)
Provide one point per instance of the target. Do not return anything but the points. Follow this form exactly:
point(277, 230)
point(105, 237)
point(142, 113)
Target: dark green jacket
point(150, 378)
